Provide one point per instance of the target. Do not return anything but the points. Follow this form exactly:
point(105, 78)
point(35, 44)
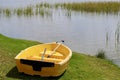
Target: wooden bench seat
point(44, 59)
point(56, 55)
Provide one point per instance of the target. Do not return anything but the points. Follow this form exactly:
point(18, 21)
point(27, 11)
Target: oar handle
point(56, 47)
point(62, 41)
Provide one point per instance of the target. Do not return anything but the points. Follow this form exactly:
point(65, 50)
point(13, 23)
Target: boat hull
point(30, 60)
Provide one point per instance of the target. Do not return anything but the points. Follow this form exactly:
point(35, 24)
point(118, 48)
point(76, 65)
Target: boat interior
point(55, 57)
point(38, 53)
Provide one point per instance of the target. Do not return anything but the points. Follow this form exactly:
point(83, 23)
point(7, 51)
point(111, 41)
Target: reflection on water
point(117, 44)
point(85, 32)
point(117, 34)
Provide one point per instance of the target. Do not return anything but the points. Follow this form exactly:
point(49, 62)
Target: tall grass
point(42, 12)
point(19, 11)
point(47, 5)
point(42, 8)
point(57, 5)
point(28, 11)
point(7, 12)
point(43, 5)
point(0, 11)
point(101, 54)
point(117, 33)
point(98, 7)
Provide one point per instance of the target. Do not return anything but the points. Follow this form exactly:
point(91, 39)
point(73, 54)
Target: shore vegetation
point(81, 66)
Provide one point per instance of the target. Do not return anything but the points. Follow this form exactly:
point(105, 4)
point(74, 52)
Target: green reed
point(7, 12)
point(18, 11)
point(0, 11)
point(57, 5)
point(28, 11)
point(98, 7)
point(45, 5)
point(117, 33)
point(44, 8)
point(41, 12)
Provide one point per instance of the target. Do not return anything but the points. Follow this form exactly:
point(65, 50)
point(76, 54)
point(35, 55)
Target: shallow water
point(83, 32)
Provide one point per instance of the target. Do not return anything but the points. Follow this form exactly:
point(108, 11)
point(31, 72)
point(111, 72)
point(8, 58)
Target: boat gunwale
point(60, 63)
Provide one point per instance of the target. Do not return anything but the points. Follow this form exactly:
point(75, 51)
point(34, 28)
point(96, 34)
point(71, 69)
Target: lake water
point(83, 32)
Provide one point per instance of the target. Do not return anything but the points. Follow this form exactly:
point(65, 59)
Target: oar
point(55, 49)
point(43, 54)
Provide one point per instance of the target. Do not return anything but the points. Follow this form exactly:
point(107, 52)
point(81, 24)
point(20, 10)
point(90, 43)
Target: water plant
point(0, 11)
point(36, 11)
point(107, 38)
point(7, 12)
point(101, 54)
point(39, 5)
point(19, 11)
point(117, 33)
point(41, 8)
point(43, 5)
point(99, 7)
point(28, 11)
point(57, 5)
point(41, 12)
point(47, 5)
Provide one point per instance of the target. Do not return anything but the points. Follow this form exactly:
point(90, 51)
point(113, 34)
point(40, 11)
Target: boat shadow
point(13, 73)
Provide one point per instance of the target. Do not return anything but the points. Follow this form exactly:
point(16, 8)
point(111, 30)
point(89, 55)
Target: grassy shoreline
point(42, 9)
point(81, 67)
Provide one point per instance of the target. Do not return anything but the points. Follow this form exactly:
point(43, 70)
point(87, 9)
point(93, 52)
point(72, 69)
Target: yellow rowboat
point(49, 59)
